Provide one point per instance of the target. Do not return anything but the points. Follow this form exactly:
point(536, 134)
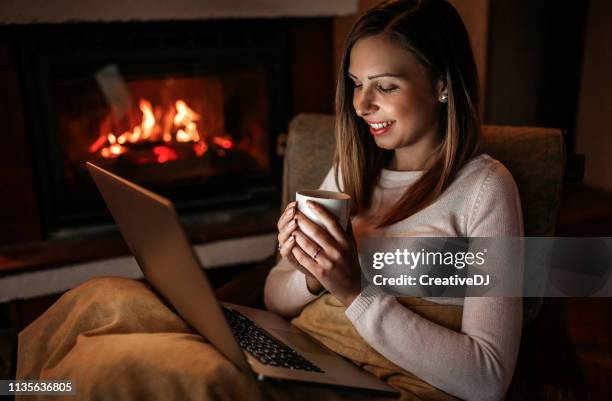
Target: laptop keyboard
point(265, 348)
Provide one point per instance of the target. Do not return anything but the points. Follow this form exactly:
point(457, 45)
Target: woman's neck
point(417, 157)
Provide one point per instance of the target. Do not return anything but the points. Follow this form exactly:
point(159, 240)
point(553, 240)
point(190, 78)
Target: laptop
point(260, 343)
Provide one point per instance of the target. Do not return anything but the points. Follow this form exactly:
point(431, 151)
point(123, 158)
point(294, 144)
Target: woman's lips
point(380, 131)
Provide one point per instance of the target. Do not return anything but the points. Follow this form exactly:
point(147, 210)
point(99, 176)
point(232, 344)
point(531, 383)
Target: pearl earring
point(443, 98)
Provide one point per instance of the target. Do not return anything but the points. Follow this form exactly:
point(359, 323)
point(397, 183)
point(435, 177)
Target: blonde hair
point(432, 31)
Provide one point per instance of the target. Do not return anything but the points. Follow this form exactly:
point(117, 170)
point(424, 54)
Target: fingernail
point(291, 239)
point(292, 224)
point(311, 204)
point(291, 211)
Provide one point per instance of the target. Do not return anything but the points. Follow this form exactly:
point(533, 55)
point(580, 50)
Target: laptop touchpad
point(299, 341)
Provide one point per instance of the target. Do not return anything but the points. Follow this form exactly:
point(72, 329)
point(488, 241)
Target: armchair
point(534, 156)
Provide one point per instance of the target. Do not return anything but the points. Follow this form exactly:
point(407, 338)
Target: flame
point(148, 119)
point(117, 149)
point(98, 143)
point(186, 117)
point(184, 114)
point(179, 124)
point(182, 136)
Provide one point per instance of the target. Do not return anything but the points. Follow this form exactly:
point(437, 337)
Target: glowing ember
point(200, 148)
point(164, 154)
point(224, 142)
point(176, 126)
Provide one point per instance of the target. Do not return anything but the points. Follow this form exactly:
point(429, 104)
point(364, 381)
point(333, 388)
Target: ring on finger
point(314, 257)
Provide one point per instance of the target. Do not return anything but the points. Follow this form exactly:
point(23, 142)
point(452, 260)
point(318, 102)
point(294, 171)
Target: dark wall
point(19, 213)
point(535, 56)
point(311, 66)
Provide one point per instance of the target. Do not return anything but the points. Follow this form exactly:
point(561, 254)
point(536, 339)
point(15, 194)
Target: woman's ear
point(441, 91)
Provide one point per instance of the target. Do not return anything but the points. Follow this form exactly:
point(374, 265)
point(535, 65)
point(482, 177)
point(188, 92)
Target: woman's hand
point(286, 241)
point(329, 254)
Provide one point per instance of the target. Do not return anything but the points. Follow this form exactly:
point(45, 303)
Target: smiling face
point(395, 96)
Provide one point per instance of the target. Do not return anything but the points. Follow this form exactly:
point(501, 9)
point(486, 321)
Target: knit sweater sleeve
point(285, 290)
point(478, 362)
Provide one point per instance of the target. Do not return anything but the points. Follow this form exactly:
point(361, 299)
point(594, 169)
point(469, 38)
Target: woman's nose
point(364, 104)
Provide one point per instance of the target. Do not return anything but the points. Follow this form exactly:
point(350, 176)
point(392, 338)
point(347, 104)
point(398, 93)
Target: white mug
point(336, 203)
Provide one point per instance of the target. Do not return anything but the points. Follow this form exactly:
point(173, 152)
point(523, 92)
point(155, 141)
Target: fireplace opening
point(140, 124)
point(191, 111)
point(164, 131)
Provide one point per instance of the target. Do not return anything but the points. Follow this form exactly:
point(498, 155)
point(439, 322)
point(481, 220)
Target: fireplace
point(190, 110)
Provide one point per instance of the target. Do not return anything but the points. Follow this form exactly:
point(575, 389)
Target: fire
point(224, 142)
point(164, 154)
point(148, 119)
point(200, 148)
point(178, 125)
point(184, 115)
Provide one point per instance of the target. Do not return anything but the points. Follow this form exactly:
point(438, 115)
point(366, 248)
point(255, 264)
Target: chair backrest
point(534, 156)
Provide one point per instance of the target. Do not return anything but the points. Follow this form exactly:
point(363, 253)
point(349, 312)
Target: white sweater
point(475, 364)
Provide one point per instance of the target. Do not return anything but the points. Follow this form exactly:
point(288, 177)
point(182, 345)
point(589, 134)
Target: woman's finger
point(309, 247)
point(316, 234)
point(331, 224)
point(299, 267)
point(307, 262)
point(286, 252)
point(287, 216)
point(285, 233)
point(285, 247)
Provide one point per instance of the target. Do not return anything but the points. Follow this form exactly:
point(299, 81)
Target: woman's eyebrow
point(384, 74)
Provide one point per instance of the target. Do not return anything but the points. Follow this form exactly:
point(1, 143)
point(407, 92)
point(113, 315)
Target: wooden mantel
point(61, 11)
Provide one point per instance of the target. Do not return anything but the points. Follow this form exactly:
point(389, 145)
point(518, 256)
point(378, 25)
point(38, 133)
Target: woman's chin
point(384, 143)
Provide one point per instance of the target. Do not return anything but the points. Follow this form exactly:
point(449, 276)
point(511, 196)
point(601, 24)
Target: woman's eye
point(386, 88)
point(356, 85)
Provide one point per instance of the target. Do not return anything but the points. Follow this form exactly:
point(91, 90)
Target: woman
point(407, 132)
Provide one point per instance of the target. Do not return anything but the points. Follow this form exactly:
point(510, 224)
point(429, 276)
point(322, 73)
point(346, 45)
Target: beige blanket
point(115, 340)
point(325, 320)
